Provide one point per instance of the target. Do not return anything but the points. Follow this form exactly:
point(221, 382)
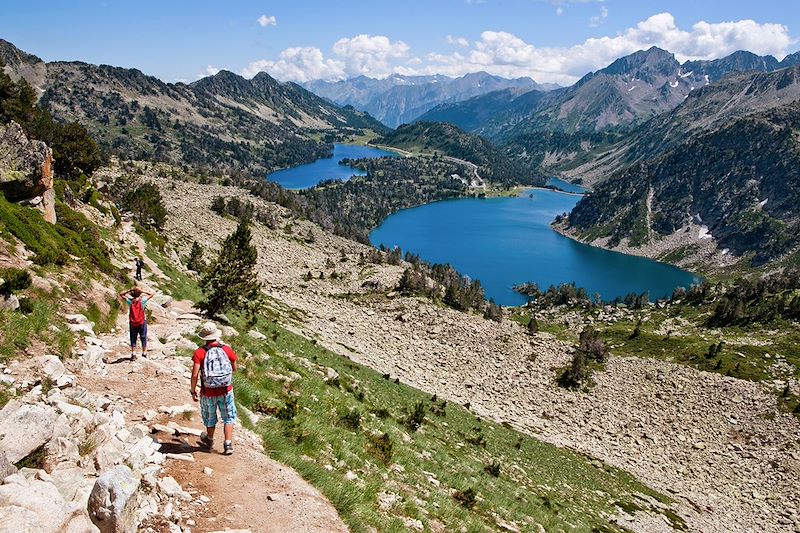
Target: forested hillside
point(742, 182)
point(223, 122)
point(446, 139)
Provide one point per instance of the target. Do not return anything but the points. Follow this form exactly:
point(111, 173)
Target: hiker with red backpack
point(137, 299)
point(214, 363)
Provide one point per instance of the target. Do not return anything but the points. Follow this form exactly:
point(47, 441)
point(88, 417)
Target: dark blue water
point(507, 241)
point(565, 185)
point(305, 176)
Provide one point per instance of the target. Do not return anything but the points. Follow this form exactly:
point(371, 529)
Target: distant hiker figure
point(139, 264)
point(137, 300)
point(214, 363)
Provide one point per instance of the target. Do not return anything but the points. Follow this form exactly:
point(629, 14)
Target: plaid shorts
point(209, 406)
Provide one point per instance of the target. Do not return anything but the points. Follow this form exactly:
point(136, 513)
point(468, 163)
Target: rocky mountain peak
point(644, 64)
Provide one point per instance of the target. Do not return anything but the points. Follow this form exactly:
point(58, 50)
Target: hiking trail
point(245, 491)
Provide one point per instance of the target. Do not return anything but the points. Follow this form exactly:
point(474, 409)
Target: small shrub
point(493, 312)
point(533, 326)
point(576, 373)
point(25, 305)
point(438, 409)
point(478, 440)
point(636, 331)
point(47, 385)
point(87, 446)
point(289, 410)
point(380, 412)
point(14, 279)
point(218, 205)
point(493, 469)
point(349, 418)
point(592, 345)
point(467, 498)
point(381, 447)
point(416, 417)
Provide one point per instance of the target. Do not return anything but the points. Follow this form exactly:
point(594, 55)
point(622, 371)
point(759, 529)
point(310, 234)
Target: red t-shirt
point(199, 355)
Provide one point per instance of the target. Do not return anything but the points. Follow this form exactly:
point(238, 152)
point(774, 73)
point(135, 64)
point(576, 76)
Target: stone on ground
point(112, 503)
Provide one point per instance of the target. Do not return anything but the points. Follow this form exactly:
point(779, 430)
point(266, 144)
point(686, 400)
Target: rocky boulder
point(24, 428)
point(36, 505)
point(26, 170)
point(112, 503)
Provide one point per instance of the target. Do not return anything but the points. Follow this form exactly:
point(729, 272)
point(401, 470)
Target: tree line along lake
point(502, 241)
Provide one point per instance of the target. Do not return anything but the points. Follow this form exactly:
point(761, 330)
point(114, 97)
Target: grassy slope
point(538, 483)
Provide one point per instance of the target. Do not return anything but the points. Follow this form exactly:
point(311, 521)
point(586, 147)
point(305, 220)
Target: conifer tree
point(533, 326)
point(230, 281)
point(195, 261)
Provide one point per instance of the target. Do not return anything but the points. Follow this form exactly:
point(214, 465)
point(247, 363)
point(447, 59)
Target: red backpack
point(136, 314)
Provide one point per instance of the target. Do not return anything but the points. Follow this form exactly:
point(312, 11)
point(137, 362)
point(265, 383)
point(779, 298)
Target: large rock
point(51, 367)
point(9, 302)
point(26, 170)
point(112, 503)
point(24, 428)
point(35, 505)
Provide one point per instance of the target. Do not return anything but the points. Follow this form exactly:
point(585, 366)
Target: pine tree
point(230, 281)
point(533, 326)
point(195, 261)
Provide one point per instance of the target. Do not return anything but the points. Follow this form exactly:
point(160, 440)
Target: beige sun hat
point(210, 332)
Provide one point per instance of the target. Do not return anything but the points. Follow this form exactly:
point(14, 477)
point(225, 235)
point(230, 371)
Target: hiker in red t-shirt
point(137, 299)
point(214, 363)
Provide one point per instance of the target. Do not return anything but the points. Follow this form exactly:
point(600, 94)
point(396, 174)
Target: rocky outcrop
point(112, 503)
point(26, 170)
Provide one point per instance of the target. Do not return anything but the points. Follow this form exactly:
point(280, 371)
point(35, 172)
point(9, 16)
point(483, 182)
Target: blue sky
point(550, 40)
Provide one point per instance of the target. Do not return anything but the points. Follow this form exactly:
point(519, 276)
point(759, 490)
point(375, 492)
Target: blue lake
point(507, 241)
point(305, 176)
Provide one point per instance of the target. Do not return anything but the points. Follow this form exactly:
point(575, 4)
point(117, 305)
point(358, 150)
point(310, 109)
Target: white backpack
point(217, 368)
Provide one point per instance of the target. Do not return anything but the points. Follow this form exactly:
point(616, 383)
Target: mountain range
point(399, 99)
point(223, 122)
point(561, 129)
point(726, 160)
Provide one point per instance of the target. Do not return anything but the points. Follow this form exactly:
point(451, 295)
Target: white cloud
point(370, 55)
point(559, 11)
point(265, 21)
point(597, 20)
point(298, 64)
point(457, 41)
point(210, 70)
point(505, 54)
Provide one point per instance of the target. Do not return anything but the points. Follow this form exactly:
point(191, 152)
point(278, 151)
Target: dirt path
point(245, 491)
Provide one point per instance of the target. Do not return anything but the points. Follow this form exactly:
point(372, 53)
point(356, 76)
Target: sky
point(300, 40)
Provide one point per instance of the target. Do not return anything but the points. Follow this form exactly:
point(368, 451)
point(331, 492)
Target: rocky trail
point(131, 425)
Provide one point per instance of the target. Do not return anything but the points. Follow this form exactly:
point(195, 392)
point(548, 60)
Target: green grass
point(18, 330)
point(537, 482)
point(104, 322)
point(72, 235)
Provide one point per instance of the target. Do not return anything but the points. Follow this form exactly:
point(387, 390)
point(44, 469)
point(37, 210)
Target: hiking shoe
point(205, 441)
point(228, 448)
point(133, 357)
